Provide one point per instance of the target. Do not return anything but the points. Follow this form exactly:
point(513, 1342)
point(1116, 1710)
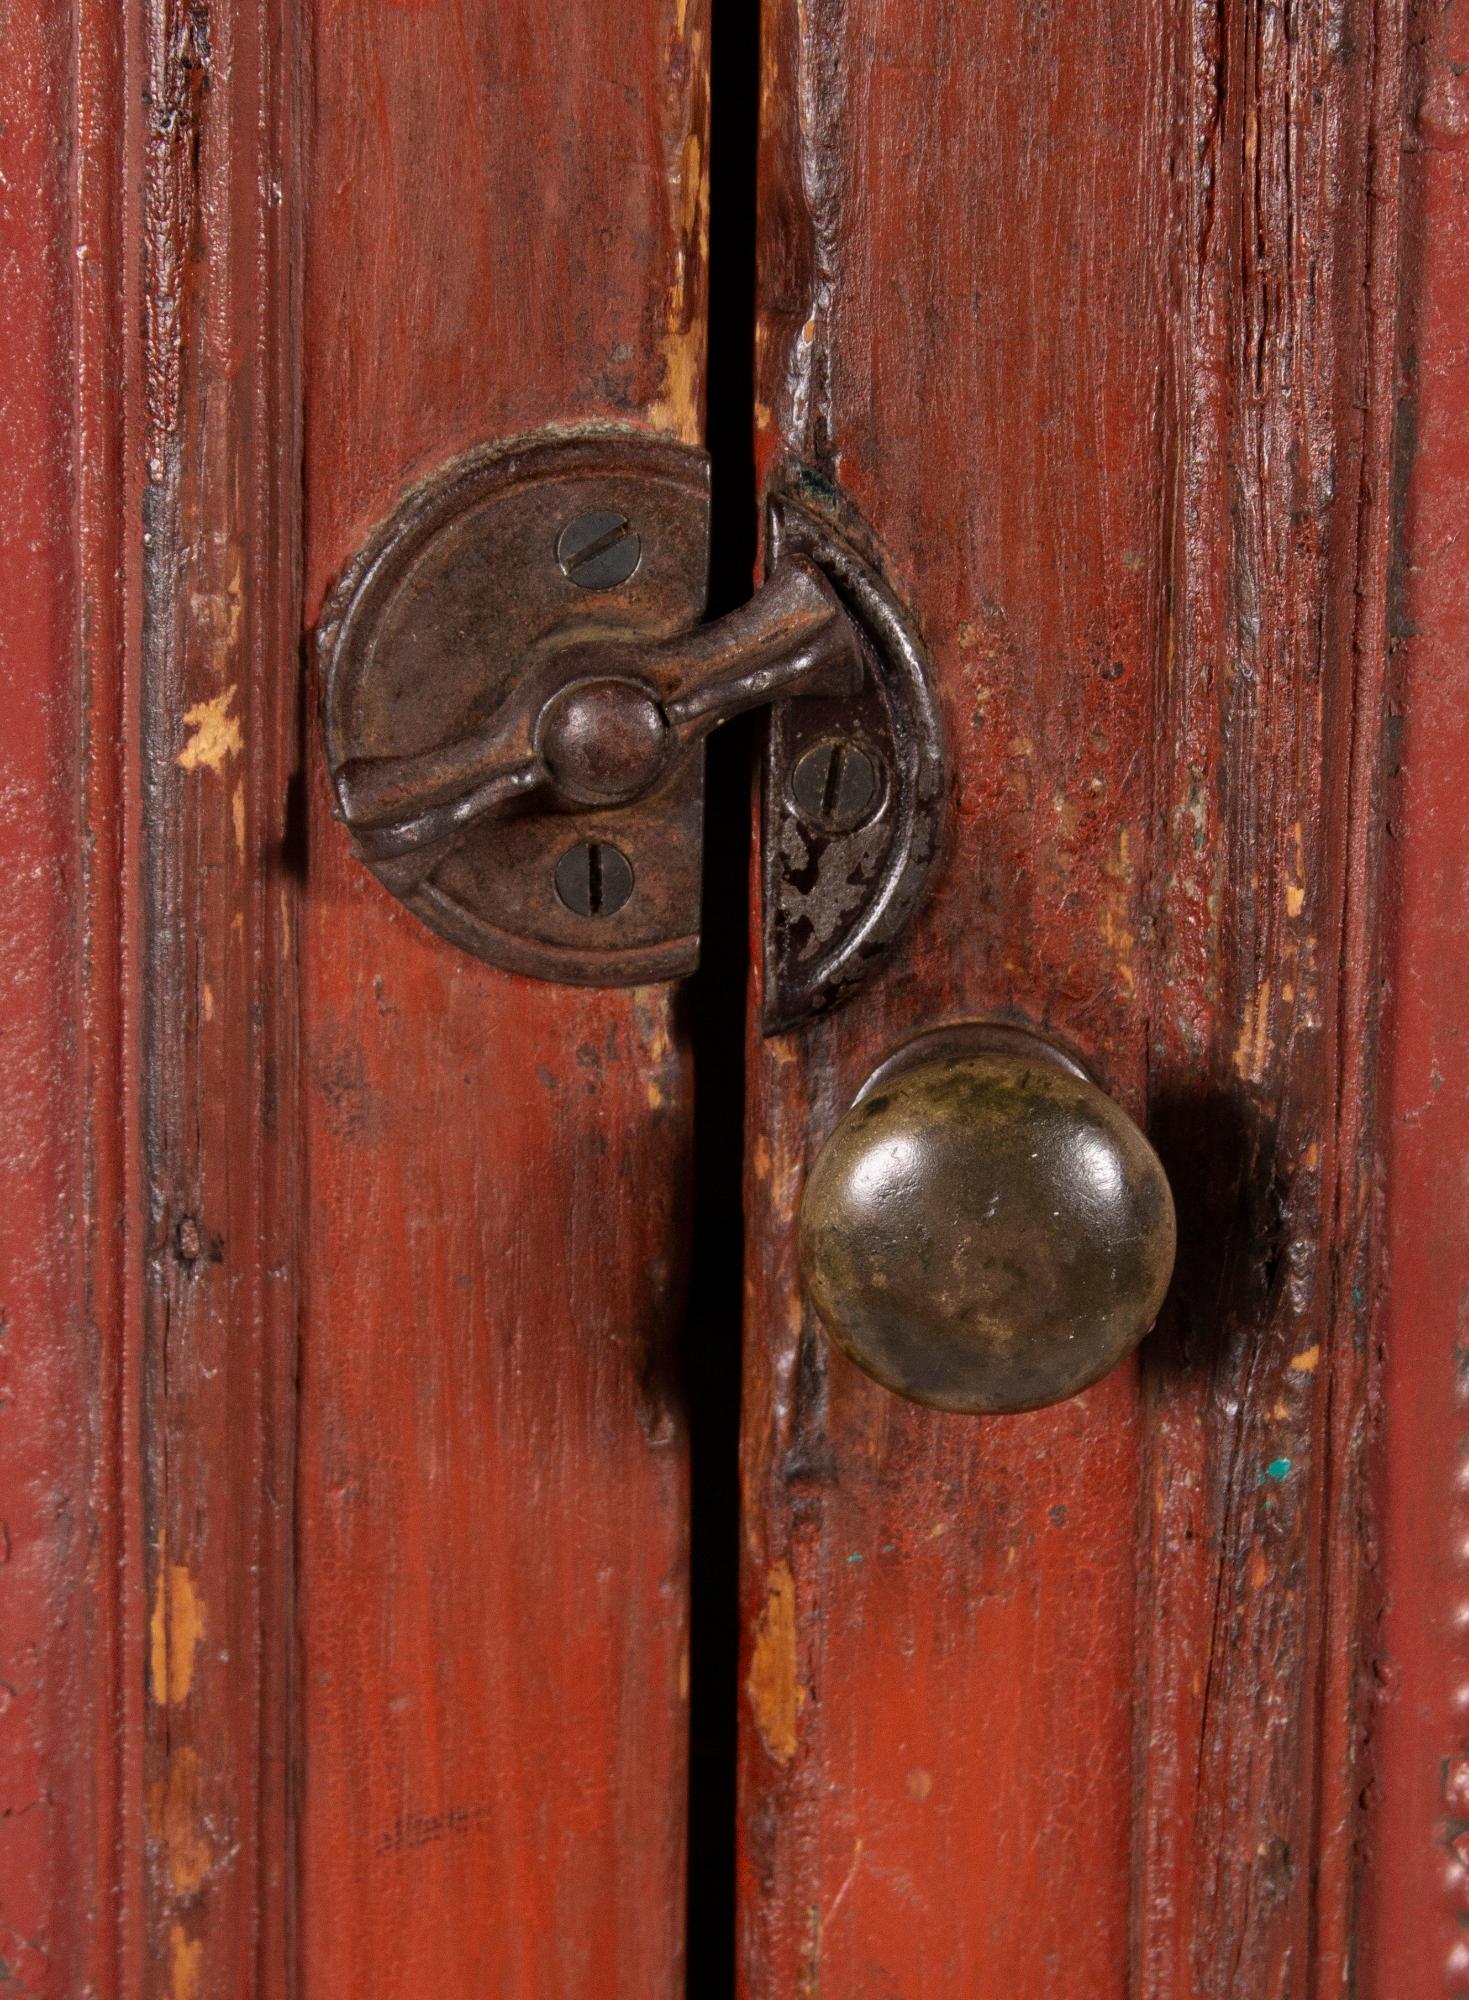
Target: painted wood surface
point(62, 1797)
point(1090, 314)
point(1093, 314)
point(505, 230)
point(151, 580)
point(1416, 1892)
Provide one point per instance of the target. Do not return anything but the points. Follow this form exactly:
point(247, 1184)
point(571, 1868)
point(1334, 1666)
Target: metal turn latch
point(516, 691)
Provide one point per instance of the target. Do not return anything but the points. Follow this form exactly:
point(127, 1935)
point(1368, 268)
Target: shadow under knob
point(986, 1230)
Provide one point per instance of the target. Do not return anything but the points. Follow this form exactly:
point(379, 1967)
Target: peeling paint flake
point(174, 1822)
point(217, 734)
point(185, 1964)
point(775, 1691)
point(175, 1629)
point(1253, 1049)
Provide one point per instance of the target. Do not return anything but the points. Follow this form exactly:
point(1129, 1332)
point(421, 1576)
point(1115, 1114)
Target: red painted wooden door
point(440, 1553)
point(1067, 1701)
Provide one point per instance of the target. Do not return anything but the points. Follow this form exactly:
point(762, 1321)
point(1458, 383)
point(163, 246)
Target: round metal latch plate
point(502, 560)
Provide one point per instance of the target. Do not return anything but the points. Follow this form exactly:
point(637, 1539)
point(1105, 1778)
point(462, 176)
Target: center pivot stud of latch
point(604, 741)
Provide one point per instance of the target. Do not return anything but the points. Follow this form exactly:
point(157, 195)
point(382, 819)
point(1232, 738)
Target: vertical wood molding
point(1255, 1631)
point(153, 649)
point(211, 733)
point(69, 1908)
point(1416, 1891)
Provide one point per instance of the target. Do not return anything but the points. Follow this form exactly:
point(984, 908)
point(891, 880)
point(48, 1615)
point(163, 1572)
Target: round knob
point(986, 1230)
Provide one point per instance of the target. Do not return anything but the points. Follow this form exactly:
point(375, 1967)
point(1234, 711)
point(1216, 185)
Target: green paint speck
point(1278, 1468)
point(855, 1556)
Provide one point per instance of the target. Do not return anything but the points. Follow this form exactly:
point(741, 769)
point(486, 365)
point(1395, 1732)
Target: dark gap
point(717, 1004)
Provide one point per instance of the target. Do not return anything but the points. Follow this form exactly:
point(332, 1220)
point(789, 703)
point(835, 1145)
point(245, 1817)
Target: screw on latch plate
point(594, 878)
point(599, 550)
point(516, 690)
point(835, 785)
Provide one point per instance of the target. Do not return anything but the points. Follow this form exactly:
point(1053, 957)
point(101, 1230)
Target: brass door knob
point(986, 1230)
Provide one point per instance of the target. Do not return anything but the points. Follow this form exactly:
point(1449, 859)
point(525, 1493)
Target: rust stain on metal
point(773, 1685)
point(176, 1627)
point(217, 734)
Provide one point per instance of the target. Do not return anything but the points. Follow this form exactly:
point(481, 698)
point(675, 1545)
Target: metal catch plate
point(839, 887)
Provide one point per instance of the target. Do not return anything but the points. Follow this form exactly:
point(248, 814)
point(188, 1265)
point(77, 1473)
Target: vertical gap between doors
point(718, 1000)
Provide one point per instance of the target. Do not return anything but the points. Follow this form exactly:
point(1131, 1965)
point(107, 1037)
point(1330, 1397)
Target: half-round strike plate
point(428, 634)
point(837, 901)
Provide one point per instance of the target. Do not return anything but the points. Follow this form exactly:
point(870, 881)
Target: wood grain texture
point(149, 1023)
point(63, 1796)
point(1416, 1898)
point(1089, 312)
point(506, 230)
point(211, 733)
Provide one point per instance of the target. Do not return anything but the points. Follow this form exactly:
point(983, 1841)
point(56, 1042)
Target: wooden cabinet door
point(492, 1480)
point(1131, 334)
point(417, 1578)
point(1076, 304)
point(351, 1527)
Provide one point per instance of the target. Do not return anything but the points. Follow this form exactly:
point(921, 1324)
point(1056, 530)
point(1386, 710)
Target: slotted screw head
point(594, 878)
point(835, 785)
point(599, 549)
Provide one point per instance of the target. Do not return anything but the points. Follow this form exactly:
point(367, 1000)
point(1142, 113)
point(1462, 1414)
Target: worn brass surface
point(986, 1230)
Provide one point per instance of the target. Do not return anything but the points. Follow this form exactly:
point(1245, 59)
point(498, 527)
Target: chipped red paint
point(1416, 1904)
point(1091, 315)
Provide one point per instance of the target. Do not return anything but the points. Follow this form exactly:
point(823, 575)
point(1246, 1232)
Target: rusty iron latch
point(516, 689)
